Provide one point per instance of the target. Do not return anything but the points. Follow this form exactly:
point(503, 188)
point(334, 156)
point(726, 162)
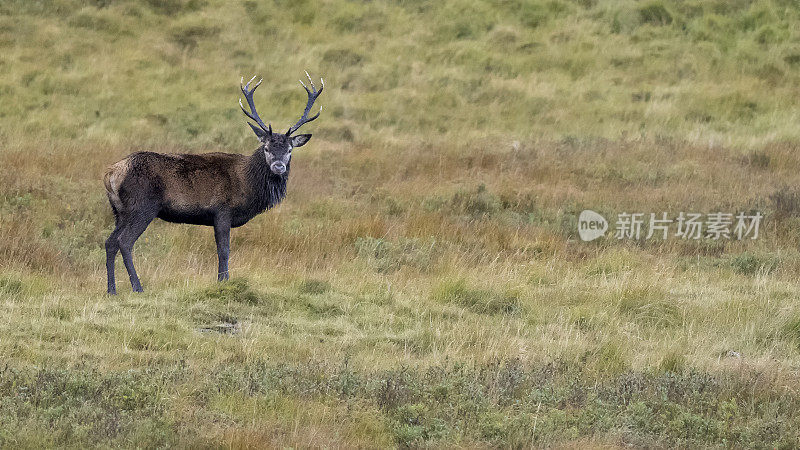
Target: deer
point(220, 190)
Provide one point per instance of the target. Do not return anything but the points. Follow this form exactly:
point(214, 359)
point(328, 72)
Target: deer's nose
point(278, 167)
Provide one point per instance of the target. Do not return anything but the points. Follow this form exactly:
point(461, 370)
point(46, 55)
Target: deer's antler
point(313, 93)
point(248, 95)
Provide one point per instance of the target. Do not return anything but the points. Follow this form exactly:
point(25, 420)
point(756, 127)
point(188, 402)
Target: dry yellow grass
point(423, 283)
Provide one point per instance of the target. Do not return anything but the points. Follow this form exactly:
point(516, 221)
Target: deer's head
point(278, 147)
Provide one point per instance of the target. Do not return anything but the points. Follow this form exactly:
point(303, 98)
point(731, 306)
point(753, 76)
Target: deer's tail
point(113, 178)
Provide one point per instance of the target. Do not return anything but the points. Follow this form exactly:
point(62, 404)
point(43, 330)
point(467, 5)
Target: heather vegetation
point(423, 283)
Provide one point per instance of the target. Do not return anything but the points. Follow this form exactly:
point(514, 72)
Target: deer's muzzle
point(278, 167)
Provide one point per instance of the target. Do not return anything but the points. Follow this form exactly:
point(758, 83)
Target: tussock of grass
point(387, 256)
point(791, 330)
point(674, 361)
point(236, 290)
point(750, 264)
point(313, 287)
point(649, 306)
point(10, 286)
point(161, 338)
point(480, 301)
point(655, 13)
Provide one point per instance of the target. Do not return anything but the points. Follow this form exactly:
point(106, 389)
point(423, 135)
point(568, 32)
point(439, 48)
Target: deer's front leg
point(222, 234)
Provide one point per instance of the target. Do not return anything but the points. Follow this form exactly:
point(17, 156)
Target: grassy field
point(423, 283)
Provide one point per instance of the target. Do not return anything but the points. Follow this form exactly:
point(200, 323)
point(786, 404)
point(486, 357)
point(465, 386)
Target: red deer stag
point(222, 190)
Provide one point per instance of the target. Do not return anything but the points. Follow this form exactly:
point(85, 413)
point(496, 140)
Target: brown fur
point(180, 184)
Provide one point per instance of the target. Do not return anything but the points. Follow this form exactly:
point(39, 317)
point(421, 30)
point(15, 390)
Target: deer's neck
point(267, 189)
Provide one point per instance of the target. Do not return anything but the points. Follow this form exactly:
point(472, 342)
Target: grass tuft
point(313, 287)
point(10, 286)
point(655, 13)
point(480, 301)
point(386, 256)
point(750, 264)
point(235, 290)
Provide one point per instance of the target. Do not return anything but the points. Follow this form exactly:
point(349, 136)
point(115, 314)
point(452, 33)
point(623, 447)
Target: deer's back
point(185, 188)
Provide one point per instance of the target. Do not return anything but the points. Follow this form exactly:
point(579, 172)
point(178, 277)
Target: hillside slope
point(118, 71)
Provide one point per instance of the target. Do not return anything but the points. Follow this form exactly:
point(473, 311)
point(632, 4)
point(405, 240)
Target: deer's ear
point(262, 135)
point(300, 140)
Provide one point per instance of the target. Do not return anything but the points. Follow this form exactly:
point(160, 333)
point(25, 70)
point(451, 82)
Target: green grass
point(423, 283)
point(123, 71)
point(493, 404)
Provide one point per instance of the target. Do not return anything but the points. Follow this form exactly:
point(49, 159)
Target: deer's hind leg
point(112, 244)
point(132, 227)
point(112, 247)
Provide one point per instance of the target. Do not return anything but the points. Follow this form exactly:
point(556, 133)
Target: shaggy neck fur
point(267, 188)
